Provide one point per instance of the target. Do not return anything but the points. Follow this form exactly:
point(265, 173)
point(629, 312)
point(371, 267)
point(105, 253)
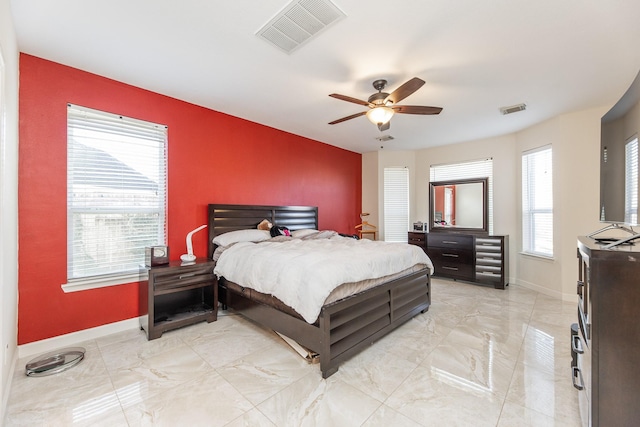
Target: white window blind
point(467, 170)
point(631, 182)
point(396, 204)
point(537, 202)
point(116, 192)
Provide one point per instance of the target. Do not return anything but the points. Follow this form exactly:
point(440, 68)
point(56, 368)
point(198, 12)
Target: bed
point(343, 327)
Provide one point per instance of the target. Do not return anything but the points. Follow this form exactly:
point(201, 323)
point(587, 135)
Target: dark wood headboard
point(224, 218)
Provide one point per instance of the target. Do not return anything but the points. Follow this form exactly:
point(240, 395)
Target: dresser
point(474, 258)
point(605, 341)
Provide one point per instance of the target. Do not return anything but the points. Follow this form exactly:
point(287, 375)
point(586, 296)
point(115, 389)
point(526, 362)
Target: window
point(631, 182)
point(116, 193)
point(466, 170)
point(396, 204)
point(537, 202)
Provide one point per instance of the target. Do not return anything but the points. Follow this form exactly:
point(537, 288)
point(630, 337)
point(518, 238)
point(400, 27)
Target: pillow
point(279, 231)
point(303, 232)
point(249, 235)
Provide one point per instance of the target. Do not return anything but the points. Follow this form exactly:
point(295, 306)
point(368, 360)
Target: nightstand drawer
point(185, 278)
point(417, 238)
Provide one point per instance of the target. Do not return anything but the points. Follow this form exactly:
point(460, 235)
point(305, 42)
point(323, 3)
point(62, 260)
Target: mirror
point(619, 190)
point(459, 205)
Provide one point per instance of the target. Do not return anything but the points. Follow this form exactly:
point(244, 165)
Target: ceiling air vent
point(513, 109)
point(299, 22)
point(384, 138)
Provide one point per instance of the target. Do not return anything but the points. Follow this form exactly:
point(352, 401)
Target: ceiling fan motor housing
point(378, 98)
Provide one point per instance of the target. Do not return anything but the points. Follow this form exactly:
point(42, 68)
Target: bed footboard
point(356, 322)
point(346, 326)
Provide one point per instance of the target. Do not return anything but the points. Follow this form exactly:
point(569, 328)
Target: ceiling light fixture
point(380, 115)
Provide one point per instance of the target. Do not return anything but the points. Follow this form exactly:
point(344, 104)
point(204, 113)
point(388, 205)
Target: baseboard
point(545, 291)
point(7, 387)
point(67, 340)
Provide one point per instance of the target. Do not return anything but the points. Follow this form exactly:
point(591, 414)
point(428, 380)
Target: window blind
point(631, 182)
point(467, 170)
point(116, 191)
point(396, 204)
point(537, 202)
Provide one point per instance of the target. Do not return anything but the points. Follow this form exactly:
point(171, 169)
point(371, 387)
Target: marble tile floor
point(478, 357)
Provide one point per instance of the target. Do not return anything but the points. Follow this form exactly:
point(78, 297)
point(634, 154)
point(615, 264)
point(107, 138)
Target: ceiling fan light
point(380, 115)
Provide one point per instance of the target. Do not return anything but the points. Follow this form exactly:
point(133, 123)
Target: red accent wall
point(213, 158)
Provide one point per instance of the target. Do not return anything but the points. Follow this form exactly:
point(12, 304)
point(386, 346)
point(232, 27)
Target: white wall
point(8, 201)
point(575, 139)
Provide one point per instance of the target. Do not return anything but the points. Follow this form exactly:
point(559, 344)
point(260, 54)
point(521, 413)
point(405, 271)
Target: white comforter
point(302, 273)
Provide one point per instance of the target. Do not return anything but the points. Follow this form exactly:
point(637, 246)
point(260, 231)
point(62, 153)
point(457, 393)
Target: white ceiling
point(476, 56)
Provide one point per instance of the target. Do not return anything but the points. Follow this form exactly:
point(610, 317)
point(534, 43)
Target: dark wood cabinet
point(492, 260)
point(452, 255)
point(177, 295)
point(606, 339)
point(418, 238)
point(481, 259)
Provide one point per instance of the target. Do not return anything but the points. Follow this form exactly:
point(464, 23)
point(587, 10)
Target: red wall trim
point(213, 158)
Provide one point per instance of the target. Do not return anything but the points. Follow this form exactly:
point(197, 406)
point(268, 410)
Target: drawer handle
point(577, 373)
point(451, 242)
point(187, 275)
point(580, 286)
point(450, 255)
point(576, 345)
point(450, 268)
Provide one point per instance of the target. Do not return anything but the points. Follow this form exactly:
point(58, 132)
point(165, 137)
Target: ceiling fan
point(382, 105)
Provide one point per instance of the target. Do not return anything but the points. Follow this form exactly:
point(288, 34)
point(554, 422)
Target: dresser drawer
point(450, 241)
point(453, 263)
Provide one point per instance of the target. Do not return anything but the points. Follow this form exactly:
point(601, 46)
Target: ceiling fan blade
point(350, 99)
point(344, 119)
point(383, 127)
point(405, 90)
point(416, 109)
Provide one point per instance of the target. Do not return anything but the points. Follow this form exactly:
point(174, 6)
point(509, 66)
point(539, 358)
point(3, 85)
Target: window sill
point(77, 285)
point(543, 257)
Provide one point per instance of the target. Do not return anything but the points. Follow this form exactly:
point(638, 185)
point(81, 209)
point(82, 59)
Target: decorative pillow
point(264, 225)
point(249, 235)
point(279, 231)
point(303, 232)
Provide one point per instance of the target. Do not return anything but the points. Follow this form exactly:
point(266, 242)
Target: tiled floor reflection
point(478, 357)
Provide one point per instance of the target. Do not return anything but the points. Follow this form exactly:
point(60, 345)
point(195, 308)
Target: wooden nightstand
point(177, 295)
point(418, 238)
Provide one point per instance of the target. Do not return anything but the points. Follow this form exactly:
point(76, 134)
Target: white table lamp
point(189, 256)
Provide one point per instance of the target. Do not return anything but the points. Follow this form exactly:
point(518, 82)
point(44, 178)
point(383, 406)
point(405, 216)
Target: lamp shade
point(380, 115)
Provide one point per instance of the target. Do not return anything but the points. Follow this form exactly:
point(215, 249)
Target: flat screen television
point(619, 189)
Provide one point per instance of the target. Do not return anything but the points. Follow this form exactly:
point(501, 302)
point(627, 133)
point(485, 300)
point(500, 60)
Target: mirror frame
point(485, 207)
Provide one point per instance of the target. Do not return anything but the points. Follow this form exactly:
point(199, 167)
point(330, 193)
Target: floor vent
point(513, 109)
point(299, 22)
